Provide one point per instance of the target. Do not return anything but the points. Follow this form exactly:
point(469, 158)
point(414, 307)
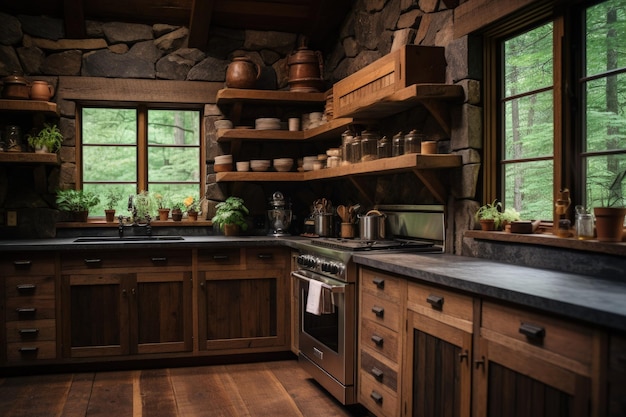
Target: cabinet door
point(616, 388)
point(161, 313)
point(243, 309)
point(96, 314)
point(438, 357)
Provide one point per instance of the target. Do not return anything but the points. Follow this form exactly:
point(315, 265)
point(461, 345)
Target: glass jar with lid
point(355, 149)
point(384, 148)
point(413, 141)
point(397, 144)
point(369, 145)
point(346, 146)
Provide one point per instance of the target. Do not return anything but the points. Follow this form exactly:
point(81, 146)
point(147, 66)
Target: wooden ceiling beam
point(74, 18)
point(200, 23)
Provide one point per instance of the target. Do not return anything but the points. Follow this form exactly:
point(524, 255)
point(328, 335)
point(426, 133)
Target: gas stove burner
point(370, 245)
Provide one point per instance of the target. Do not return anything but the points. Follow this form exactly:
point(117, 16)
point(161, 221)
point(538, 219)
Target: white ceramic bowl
point(243, 166)
point(260, 165)
point(223, 124)
point(283, 164)
point(223, 159)
point(267, 123)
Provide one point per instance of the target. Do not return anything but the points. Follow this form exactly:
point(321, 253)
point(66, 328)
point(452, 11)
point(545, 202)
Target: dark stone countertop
point(594, 300)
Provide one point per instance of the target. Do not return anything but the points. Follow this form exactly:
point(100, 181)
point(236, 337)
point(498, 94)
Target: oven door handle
point(335, 289)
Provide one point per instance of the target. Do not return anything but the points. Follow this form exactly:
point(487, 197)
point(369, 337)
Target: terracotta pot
point(164, 214)
point(109, 215)
point(242, 73)
point(80, 216)
point(177, 215)
point(41, 90)
point(487, 225)
point(609, 223)
point(192, 215)
point(305, 70)
point(231, 230)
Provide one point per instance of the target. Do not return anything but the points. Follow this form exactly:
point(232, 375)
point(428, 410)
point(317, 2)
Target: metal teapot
point(242, 72)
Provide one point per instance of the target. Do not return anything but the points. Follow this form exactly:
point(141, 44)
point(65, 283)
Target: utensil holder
point(347, 230)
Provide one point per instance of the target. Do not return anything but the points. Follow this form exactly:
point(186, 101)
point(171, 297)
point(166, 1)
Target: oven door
point(327, 341)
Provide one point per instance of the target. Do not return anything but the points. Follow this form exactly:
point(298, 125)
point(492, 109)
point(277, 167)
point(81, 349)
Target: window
point(128, 150)
point(559, 101)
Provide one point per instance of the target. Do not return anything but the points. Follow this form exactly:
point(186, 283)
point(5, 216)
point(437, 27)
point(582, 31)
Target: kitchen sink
point(127, 238)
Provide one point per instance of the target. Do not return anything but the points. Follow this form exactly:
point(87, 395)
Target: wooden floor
point(273, 389)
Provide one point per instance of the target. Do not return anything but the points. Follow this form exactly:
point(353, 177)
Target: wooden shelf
point(29, 158)
point(238, 95)
point(330, 130)
point(29, 105)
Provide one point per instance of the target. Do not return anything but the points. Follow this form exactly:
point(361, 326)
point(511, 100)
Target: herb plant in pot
point(111, 202)
point(230, 216)
point(177, 212)
point(77, 203)
point(489, 216)
point(163, 209)
point(610, 216)
point(48, 140)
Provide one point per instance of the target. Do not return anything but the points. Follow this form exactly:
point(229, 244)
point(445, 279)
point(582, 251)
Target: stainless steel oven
point(327, 339)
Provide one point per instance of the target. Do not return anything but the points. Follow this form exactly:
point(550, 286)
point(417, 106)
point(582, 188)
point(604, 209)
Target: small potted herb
point(191, 207)
point(177, 212)
point(163, 209)
point(112, 198)
point(230, 216)
point(77, 203)
point(489, 216)
point(48, 140)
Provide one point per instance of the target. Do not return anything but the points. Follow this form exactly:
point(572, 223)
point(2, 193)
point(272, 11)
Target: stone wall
point(36, 46)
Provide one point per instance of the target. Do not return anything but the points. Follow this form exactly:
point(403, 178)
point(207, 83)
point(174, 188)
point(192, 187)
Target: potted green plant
point(49, 139)
point(489, 216)
point(112, 198)
point(610, 216)
point(230, 216)
point(191, 206)
point(77, 203)
point(162, 206)
point(177, 212)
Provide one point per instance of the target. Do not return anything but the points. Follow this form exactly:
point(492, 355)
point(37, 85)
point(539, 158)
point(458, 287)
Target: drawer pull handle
point(532, 332)
point(28, 349)
point(93, 262)
point(265, 256)
point(26, 288)
point(377, 373)
point(379, 282)
point(26, 310)
point(159, 260)
point(22, 263)
point(463, 356)
point(220, 257)
point(379, 311)
point(377, 397)
point(28, 332)
point(435, 301)
point(479, 363)
point(378, 341)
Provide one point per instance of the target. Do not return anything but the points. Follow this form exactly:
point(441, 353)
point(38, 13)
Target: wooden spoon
point(342, 212)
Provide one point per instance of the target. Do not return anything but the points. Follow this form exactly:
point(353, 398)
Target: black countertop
point(594, 300)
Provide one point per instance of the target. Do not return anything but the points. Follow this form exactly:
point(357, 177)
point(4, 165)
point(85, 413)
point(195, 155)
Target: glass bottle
point(13, 138)
point(397, 144)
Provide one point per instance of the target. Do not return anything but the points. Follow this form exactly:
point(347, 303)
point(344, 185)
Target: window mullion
point(563, 154)
point(142, 148)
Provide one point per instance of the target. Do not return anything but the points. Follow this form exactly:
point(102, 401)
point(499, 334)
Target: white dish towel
point(320, 299)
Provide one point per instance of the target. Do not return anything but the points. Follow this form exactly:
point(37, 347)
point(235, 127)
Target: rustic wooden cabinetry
point(126, 303)
point(530, 364)
point(29, 313)
point(381, 319)
point(438, 352)
point(243, 299)
point(616, 378)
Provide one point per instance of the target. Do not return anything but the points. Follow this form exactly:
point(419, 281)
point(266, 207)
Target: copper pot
point(305, 70)
point(41, 90)
point(15, 87)
point(242, 73)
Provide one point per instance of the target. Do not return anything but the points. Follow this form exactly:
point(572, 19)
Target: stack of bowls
point(283, 164)
point(267, 123)
point(223, 163)
point(260, 165)
point(308, 161)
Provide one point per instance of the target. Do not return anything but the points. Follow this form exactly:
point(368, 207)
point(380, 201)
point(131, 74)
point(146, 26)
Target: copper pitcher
point(305, 70)
point(242, 72)
point(41, 90)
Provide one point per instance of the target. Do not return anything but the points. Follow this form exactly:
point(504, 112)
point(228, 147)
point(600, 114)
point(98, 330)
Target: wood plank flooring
point(262, 389)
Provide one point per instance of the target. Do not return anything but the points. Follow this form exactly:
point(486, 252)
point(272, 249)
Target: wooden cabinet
point(530, 364)
point(29, 300)
point(381, 319)
point(243, 299)
point(126, 303)
point(438, 352)
point(616, 378)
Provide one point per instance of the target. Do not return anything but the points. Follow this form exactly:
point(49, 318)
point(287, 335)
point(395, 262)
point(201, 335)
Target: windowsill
point(548, 239)
point(91, 223)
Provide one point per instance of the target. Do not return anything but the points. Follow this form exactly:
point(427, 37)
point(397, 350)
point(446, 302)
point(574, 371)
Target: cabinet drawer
point(376, 397)
point(26, 264)
point(436, 302)
point(261, 257)
point(380, 339)
point(381, 284)
point(125, 259)
point(30, 288)
point(538, 332)
point(381, 311)
point(21, 309)
point(382, 374)
point(31, 330)
point(218, 258)
point(24, 352)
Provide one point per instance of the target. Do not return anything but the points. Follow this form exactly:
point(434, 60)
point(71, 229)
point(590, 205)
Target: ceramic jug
point(305, 70)
point(242, 73)
point(41, 90)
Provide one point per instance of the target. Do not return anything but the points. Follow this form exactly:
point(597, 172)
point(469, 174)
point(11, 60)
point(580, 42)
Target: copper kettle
point(242, 72)
point(305, 70)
